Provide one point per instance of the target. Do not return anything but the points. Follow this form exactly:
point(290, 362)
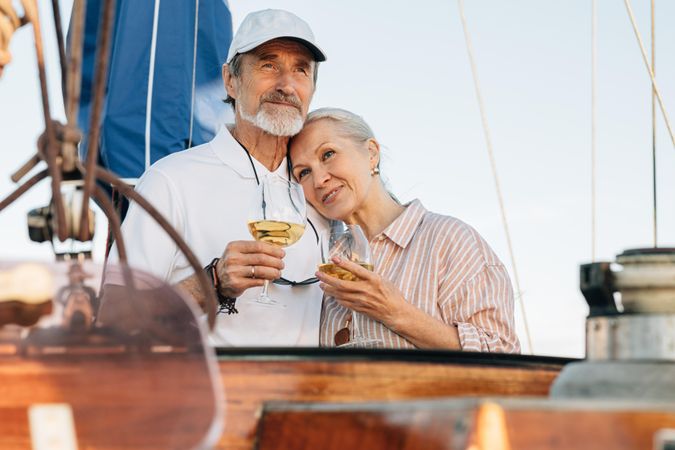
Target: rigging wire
point(60, 43)
point(655, 87)
point(654, 129)
point(493, 165)
point(194, 74)
point(151, 81)
point(103, 51)
point(594, 115)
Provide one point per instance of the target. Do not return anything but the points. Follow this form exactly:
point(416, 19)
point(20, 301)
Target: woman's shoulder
point(455, 236)
point(444, 226)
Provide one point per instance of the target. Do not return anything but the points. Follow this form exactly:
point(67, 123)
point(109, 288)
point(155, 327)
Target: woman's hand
point(382, 301)
point(371, 294)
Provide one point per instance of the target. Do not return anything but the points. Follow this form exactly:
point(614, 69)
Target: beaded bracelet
point(226, 304)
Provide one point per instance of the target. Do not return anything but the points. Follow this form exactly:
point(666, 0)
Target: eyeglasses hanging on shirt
point(281, 281)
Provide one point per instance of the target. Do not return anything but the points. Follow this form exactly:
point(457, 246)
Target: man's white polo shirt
point(205, 192)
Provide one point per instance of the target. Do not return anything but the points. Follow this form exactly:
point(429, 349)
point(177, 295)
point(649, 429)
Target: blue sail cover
point(177, 120)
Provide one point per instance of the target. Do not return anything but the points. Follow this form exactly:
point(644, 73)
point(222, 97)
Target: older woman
point(436, 282)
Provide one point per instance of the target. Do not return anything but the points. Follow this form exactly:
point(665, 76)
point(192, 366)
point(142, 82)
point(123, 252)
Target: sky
point(405, 69)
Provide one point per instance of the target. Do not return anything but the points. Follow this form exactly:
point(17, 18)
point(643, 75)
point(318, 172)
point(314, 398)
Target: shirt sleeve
point(482, 310)
point(148, 246)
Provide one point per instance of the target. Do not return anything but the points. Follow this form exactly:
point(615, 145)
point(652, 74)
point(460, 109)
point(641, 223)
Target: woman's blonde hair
point(350, 125)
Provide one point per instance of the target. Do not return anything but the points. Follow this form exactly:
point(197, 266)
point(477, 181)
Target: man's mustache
point(279, 97)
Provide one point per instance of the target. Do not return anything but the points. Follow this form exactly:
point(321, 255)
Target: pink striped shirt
point(446, 269)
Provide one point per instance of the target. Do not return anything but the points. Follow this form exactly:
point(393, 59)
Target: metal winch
point(630, 329)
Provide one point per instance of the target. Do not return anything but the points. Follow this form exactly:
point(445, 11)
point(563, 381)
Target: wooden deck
point(166, 401)
point(253, 377)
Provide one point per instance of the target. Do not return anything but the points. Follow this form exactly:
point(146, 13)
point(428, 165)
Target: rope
point(60, 42)
point(657, 92)
point(194, 73)
point(654, 131)
point(210, 300)
point(18, 192)
point(9, 22)
point(74, 79)
point(103, 49)
point(493, 165)
point(50, 149)
point(594, 115)
point(51, 143)
point(151, 81)
point(74, 76)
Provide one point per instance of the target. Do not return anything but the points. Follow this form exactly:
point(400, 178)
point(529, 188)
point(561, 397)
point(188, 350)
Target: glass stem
point(264, 291)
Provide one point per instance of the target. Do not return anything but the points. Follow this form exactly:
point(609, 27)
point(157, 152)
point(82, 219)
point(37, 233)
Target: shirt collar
point(232, 154)
point(403, 228)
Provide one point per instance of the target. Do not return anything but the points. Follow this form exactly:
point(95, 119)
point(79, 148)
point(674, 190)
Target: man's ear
point(373, 153)
point(229, 82)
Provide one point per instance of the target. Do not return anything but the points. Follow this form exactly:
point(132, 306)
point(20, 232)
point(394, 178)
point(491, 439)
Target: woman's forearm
point(422, 330)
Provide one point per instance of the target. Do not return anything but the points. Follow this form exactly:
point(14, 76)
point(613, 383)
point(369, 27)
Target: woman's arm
point(422, 330)
point(482, 310)
point(380, 300)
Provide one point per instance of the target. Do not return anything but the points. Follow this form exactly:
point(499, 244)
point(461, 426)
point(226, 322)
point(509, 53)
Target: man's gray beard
point(286, 122)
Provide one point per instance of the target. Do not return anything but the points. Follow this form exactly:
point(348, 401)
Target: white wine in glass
point(281, 234)
point(278, 217)
point(338, 272)
point(347, 242)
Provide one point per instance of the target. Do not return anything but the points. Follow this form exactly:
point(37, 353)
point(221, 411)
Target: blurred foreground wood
point(118, 401)
point(467, 424)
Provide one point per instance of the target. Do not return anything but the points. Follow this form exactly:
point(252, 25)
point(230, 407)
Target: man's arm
point(243, 265)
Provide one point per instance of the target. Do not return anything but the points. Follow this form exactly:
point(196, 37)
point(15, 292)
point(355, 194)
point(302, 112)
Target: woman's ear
point(374, 153)
point(229, 82)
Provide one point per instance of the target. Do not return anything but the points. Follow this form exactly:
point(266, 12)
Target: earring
point(375, 171)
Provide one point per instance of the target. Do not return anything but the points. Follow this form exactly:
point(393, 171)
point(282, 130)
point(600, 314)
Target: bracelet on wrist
point(226, 304)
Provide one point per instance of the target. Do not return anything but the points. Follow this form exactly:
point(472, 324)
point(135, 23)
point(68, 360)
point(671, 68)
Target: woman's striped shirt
point(446, 269)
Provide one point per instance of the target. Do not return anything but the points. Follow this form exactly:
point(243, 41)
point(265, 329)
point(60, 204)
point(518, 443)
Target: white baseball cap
point(263, 26)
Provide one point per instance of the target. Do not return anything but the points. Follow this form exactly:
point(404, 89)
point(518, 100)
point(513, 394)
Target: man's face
point(275, 86)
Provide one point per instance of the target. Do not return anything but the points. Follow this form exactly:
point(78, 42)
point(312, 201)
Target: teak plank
point(453, 425)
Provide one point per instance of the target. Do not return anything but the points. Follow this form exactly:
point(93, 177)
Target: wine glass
point(350, 243)
point(278, 217)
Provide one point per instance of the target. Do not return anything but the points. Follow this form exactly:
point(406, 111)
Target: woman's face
point(334, 171)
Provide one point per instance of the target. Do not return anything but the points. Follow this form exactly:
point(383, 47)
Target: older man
point(206, 192)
